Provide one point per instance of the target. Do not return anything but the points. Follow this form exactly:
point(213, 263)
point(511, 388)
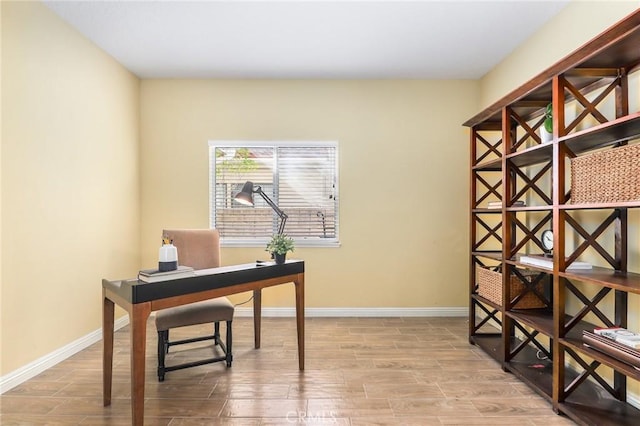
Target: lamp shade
point(246, 195)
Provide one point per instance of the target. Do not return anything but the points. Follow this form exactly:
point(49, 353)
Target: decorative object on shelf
point(279, 246)
point(498, 204)
point(546, 130)
point(490, 287)
point(547, 242)
point(612, 348)
point(608, 176)
point(546, 262)
point(246, 197)
point(167, 256)
point(620, 335)
point(155, 275)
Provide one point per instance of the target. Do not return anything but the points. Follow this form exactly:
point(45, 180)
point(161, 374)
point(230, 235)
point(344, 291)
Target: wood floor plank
point(358, 372)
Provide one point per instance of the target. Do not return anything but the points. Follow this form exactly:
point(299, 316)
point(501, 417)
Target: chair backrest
point(198, 248)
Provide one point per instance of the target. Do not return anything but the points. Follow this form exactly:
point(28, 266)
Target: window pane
point(307, 190)
point(300, 179)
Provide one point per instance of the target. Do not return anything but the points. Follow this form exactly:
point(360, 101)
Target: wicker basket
point(609, 176)
point(490, 287)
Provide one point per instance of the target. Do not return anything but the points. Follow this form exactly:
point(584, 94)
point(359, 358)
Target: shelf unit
point(509, 162)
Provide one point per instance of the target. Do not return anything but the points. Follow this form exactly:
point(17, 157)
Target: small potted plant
point(279, 246)
point(546, 131)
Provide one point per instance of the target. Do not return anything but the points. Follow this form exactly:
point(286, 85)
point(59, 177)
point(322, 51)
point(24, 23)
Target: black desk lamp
point(246, 197)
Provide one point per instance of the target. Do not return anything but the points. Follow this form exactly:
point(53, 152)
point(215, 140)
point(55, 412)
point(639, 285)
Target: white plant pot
point(545, 136)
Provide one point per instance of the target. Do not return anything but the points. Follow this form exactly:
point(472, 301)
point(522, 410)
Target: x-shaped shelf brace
point(590, 306)
point(589, 369)
point(530, 183)
point(590, 107)
point(491, 315)
point(491, 148)
point(530, 132)
point(530, 234)
point(530, 337)
point(491, 232)
point(491, 189)
point(529, 287)
point(590, 239)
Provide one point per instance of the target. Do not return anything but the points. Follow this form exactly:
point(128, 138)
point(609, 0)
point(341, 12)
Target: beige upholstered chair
point(200, 249)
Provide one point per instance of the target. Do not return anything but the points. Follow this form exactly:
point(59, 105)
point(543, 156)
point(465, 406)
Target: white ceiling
point(347, 39)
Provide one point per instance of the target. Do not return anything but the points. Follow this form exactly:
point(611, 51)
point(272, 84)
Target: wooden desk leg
point(299, 283)
point(138, 315)
point(107, 348)
point(257, 317)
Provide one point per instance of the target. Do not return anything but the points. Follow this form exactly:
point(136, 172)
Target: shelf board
point(494, 255)
point(603, 135)
point(539, 319)
point(538, 154)
point(625, 281)
point(536, 373)
point(599, 409)
point(489, 343)
point(594, 206)
point(516, 262)
point(530, 209)
point(486, 301)
point(486, 211)
point(489, 166)
point(590, 404)
point(578, 346)
point(516, 209)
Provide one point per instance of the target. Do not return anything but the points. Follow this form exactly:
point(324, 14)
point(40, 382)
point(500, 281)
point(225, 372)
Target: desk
point(140, 299)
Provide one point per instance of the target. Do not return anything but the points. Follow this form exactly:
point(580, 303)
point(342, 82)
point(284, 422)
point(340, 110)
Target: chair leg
point(216, 333)
point(162, 349)
point(229, 344)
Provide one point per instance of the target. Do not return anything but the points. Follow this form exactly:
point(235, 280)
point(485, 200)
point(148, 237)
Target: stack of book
point(154, 275)
point(617, 342)
point(547, 262)
point(498, 204)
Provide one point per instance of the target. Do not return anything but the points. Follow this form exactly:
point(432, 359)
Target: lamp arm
point(282, 215)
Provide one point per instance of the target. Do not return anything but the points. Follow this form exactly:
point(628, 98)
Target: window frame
point(262, 241)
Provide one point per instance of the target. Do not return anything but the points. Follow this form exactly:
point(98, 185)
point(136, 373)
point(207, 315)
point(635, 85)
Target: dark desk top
point(136, 291)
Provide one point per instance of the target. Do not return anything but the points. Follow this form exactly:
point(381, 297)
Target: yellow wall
point(79, 186)
point(70, 203)
point(575, 25)
point(403, 178)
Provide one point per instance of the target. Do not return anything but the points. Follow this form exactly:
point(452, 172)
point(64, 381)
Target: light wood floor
point(359, 371)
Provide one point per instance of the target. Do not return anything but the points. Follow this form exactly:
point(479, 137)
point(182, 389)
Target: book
point(498, 204)
point(620, 335)
point(154, 275)
point(611, 348)
point(547, 262)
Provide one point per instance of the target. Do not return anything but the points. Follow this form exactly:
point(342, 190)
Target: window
point(300, 177)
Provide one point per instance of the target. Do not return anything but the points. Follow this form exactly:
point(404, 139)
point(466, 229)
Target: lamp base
point(167, 266)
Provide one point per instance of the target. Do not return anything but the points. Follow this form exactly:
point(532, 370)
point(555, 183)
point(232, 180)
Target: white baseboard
point(358, 312)
point(36, 367)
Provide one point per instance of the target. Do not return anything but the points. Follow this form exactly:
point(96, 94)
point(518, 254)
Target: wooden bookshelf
point(589, 93)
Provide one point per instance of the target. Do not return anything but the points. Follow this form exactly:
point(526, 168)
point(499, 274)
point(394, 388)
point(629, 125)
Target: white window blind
point(301, 179)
